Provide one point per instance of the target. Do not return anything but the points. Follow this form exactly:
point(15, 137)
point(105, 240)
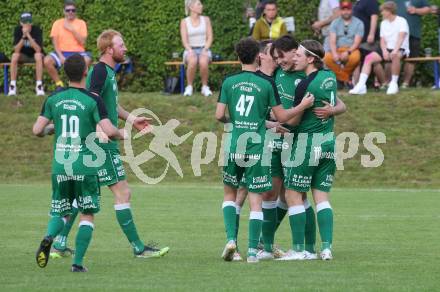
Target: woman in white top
point(196, 33)
point(394, 45)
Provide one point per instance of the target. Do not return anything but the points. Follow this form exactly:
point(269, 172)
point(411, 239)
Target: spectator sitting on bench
point(28, 48)
point(394, 46)
point(69, 35)
point(197, 36)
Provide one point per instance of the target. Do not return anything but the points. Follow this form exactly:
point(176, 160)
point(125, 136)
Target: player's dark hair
point(247, 50)
point(264, 44)
point(284, 44)
point(74, 66)
point(314, 49)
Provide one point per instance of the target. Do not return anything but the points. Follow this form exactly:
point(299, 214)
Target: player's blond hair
point(188, 4)
point(105, 39)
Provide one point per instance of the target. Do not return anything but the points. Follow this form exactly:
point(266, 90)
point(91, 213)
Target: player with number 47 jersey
point(248, 96)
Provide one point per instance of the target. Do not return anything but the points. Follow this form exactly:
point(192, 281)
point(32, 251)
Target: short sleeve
point(46, 110)
point(274, 97)
point(97, 79)
point(54, 30)
point(382, 29)
point(334, 26)
point(360, 28)
point(404, 26)
point(223, 96)
point(83, 29)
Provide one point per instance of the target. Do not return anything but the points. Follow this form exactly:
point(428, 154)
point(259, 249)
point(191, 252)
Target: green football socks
point(269, 223)
point(125, 220)
point(61, 240)
point(230, 219)
point(310, 229)
point(281, 212)
point(297, 219)
point(55, 226)
point(325, 223)
point(83, 238)
point(255, 222)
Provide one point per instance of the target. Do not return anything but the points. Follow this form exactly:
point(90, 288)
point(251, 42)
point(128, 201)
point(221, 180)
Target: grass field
point(385, 240)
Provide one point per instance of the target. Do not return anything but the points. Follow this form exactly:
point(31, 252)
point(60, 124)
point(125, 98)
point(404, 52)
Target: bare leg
point(408, 70)
point(191, 69)
point(14, 65)
point(38, 66)
point(204, 70)
point(49, 63)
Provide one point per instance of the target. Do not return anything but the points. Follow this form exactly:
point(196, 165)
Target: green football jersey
point(75, 113)
point(248, 96)
point(322, 84)
point(286, 82)
point(101, 80)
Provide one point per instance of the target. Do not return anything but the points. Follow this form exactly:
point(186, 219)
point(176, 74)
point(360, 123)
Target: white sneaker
point(292, 255)
point(310, 256)
point(393, 88)
point(237, 257)
point(39, 90)
point(252, 259)
point(12, 90)
point(188, 91)
point(206, 91)
point(228, 252)
point(264, 255)
point(359, 89)
point(326, 255)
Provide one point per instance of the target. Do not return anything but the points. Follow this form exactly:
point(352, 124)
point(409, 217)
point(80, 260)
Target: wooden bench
point(181, 66)
point(6, 74)
point(436, 61)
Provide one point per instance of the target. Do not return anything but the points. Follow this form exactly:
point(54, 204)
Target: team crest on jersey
point(328, 83)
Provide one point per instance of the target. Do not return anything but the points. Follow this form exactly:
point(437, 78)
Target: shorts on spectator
point(198, 52)
point(379, 51)
point(414, 47)
point(25, 58)
point(66, 55)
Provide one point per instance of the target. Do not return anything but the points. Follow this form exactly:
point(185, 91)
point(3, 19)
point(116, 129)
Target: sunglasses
point(70, 10)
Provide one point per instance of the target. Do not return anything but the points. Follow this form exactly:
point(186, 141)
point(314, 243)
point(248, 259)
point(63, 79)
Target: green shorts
point(112, 171)
point(84, 188)
point(276, 165)
point(256, 178)
point(317, 173)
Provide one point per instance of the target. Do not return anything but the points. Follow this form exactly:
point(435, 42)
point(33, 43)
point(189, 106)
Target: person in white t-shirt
point(197, 37)
point(394, 45)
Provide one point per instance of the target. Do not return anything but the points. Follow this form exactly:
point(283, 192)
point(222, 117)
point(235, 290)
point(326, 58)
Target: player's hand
point(324, 112)
point(123, 133)
point(336, 57)
point(102, 137)
point(142, 124)
point(370, 39)
point(281, 129)
point(307, 101)
point(49, 130)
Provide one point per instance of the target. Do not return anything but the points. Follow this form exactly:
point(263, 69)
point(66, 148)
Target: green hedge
point(151, 29)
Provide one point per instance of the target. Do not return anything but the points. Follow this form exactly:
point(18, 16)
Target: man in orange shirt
point(69, 35)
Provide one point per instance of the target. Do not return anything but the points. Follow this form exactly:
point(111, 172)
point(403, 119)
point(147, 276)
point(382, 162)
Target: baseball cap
point(346, 5)
point(26, 17)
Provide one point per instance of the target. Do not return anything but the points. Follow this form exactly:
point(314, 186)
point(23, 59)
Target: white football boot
point(228, 252)
point(326, 255)
point(292, 255)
